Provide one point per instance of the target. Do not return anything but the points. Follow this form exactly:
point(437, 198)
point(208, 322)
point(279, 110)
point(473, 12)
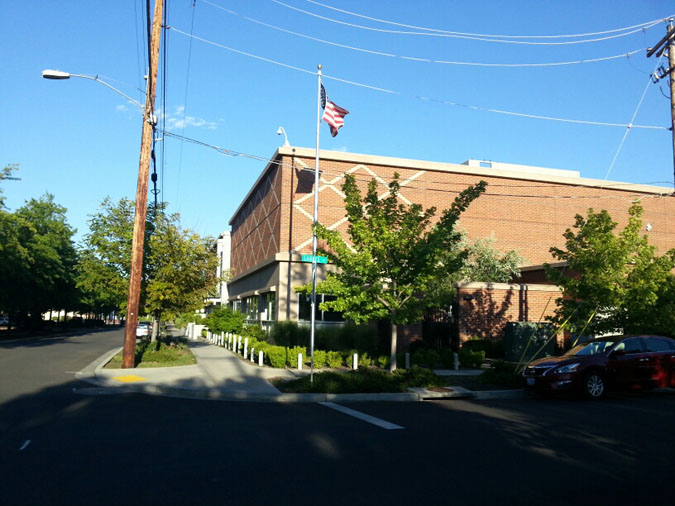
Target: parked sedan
point(143, 329)
point(595, 366)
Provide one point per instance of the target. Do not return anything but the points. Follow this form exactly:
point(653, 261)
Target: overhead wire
point(185, 95)
point(628, 128)
point(457, 36)
point(336, 173)
point(646, 24)
point(390, 91)
point(421, 59)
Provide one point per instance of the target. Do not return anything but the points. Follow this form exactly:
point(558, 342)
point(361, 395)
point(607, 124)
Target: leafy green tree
point(477, 261)
point(181, 269)
point(485, 263)
point(223, 319)
point(393, 256)
point(6, 173)
point(105, 256)
point(613, 282)
point(37, 259)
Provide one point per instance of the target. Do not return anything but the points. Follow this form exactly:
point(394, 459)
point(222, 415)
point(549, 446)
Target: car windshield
point(590, 348)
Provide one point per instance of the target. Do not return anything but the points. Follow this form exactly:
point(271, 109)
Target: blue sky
point(80, 141)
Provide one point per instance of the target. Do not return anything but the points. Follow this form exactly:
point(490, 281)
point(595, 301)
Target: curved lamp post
point(149, 121)
point(60, 75)
point(280, 131)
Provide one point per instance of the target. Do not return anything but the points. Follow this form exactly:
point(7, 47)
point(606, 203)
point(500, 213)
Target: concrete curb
point(92, 374)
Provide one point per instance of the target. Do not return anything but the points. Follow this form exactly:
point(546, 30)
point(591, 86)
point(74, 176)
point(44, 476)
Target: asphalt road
point(60, 447)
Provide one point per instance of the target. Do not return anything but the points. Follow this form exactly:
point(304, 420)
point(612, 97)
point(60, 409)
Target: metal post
point(316, 219)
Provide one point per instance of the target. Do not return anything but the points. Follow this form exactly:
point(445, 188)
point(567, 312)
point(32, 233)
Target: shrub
point(447, 356)
point(365, 360)
point(293, 355)
point(289, 333)
point(276, 356)
point(363, 381)
point(255, 331)
point(382, 361)
point(433, 358)
point(471, 359)
point(502, 373)
point(334, 359)
point(492, 349)
point(224, 319)
point(319, 359)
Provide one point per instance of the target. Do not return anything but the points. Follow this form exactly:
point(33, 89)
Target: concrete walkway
point(220, 374)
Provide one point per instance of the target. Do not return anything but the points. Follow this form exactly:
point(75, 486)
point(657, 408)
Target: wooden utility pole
point(668, 43)
point(671, 68)
point(149, 121)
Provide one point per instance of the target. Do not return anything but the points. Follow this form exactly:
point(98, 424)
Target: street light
point(280, 131)
point(60, 75)
point(138, 239)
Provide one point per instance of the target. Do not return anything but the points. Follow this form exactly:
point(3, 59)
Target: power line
point(233, 153)
point(628, 128)
point(425, 60)
point(457, 36)
point(385, 90)
point(644, 25)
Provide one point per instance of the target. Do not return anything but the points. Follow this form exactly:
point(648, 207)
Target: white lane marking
point(24, 445)
point(362, 416)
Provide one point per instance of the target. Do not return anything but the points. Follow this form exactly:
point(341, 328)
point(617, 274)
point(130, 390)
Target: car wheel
point(594, 385)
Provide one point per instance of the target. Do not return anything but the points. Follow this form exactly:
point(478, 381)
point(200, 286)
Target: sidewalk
point(221, 375)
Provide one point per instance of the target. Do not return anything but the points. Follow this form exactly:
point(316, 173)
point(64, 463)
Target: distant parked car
point(143, 329)
point(593, 367)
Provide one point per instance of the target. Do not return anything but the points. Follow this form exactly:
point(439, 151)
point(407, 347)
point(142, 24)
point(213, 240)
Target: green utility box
point(517, 335)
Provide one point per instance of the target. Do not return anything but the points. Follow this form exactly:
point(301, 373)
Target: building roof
point(470, 167)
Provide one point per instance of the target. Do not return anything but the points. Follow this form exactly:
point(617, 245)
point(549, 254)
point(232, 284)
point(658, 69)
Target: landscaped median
point(164, 352)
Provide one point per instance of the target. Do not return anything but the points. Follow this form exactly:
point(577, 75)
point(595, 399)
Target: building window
point(269, 305)
point(251, 309)
point(305, 308)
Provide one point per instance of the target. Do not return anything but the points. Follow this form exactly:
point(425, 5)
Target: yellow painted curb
point(131, 378)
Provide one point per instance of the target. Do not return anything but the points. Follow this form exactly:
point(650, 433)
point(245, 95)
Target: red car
point(599, 364)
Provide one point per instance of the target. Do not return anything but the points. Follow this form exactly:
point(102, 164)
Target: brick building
point(524, 208)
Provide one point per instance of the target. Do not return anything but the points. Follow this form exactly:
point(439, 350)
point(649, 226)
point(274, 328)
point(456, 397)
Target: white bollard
point(260, 358)
point(229, 341)
point(299, 361)
point(222, 338)
point(246, 347)
point(456, 361)
point(355, 363)
point(252, 355)
point(238, 344)
point(407, 360)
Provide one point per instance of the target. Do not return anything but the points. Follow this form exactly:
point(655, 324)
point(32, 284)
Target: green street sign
point(317, 259)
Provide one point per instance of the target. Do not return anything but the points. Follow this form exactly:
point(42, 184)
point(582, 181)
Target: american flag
point(333, 114)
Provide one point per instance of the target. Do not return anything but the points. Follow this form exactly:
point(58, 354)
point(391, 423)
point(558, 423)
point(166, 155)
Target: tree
point(393, 256)
point(5, 174)
point(613, 282)
point(37, 258)
point(105, 256)
point(223, 319)
point(477, 261)
point(181, 269)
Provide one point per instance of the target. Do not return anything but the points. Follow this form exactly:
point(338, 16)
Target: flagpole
point(316, 219)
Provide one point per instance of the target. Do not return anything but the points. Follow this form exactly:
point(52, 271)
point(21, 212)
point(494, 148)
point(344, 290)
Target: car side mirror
point(618, 353)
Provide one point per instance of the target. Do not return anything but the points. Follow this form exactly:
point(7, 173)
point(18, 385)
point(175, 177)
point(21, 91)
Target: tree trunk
point(392, 358)
point(155, 329)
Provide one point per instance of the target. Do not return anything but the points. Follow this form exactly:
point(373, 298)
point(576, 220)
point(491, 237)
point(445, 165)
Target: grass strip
point(165, 352)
